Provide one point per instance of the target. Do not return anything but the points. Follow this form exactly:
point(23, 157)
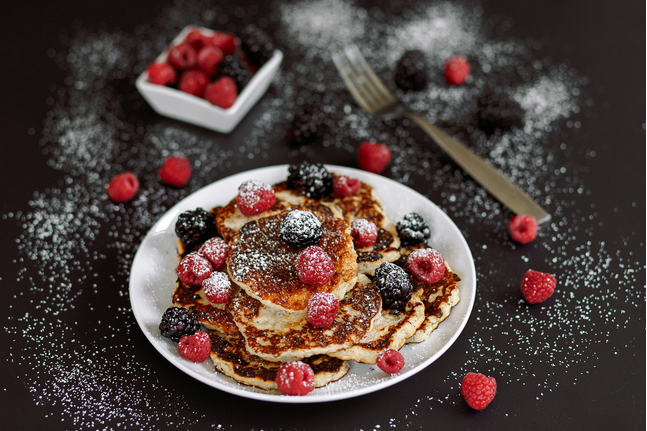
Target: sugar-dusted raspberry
point(390, 361)
point(123, 187)
point(209, 59)
point(215, 250)
point(343, 186)
point(196, 347)
point(457, 70)
point(217, 287)
point(295, 378)
point(254, 197)
point(537, 286)
point(222, 93)
point(301, 228)
point(182, 56)
point(314, 266)
point(478, 390)
point(523, 228)
point(194, 268)
point(322, 309)
point(161, 74)
point(226, 42)
point(364, 232)
point(373, 157)
point(176, 171)
point(193, 82)
point(426, 264)
point(196, 39)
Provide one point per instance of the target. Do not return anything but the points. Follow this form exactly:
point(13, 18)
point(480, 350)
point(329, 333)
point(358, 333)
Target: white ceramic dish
point(152, 281)
point(182, 106)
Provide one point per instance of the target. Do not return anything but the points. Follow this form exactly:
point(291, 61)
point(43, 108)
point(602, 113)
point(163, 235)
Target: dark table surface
point(72, 355)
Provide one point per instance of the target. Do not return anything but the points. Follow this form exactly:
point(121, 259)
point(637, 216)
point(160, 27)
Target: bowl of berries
point(209, 78)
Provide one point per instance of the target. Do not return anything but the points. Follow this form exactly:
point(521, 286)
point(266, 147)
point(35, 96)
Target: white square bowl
point(182, 106)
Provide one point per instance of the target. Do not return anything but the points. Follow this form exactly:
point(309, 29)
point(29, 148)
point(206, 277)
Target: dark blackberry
point(236, 69)
point(413, 229)
point(411, 71)
point(178, 322)
point(393, 285)
point(301, 229)
point(497, 111)
point(256, 45)
point(195, 227)
point(309, 121)
point(311, 180)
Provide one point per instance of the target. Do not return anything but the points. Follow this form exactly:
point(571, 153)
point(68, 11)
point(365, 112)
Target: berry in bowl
point(209, 78)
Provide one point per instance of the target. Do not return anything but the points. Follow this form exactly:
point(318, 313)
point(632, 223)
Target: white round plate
point(152, 280)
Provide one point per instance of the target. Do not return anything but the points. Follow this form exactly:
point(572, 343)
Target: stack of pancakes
point(263, 325)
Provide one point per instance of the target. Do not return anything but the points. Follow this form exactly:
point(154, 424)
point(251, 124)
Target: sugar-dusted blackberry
point(236, 69)
point(178, 322)
point(310, 179)
point(309, 121)
point(411, 71)
point(497, 111)
point(256, 45)
point(195, 227)
point(413, 229)
point(393, 285)
point(301, 229)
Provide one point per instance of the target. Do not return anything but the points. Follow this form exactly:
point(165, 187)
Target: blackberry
point(256, 45)
point(301, 229)
point(236, 69)
point(411, 71)
point(497, 111)
point(178, 322)
point(309, 121)
point(413, 229)
point(393, 285)
point(195, 227)
point(311, 180)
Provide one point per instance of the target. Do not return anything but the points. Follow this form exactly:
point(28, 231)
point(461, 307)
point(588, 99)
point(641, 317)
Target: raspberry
point(226, 42)
point(457, 70)
point(295, 378)
point(161, 74)
point(427, 265)
point(178, 322)
point(194, 268)
point(254, 197)
point(498, 112)
point(123, 187)
point(236, 69)
point(310, 179)
point(196, 347)
point(222, 93)
point(194, 227)
point(301, 229)
point(209, 59)
point(373, 157)
point(176, 171)
point(215, 250)
point(196, 39)
point(314, 266)
point(413, 229)
point(322, 309)
point(193, 82)
point(217, 287)
point(537, 286)
point(411, 71)
point(390, 361)
point(364, 233)
point(343, 186)
point(393, 285)
point(478, 390)
point(523, 228)
point(182, 56)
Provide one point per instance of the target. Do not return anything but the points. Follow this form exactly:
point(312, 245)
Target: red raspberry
point(182, 56)
point(478, 390)
point(457, 69)
point(314, 266)
point(217, 287)
point(523, 228)
point(222, 93)
point(322, 309)
point(193, 82)
point(209, 58)
point(295, 378)
point(161, 74)
point(343, 186)
point(373, 157)
point(196, 347)
point(390, 361)
point(427, 265)
point(123, 187)
point(196, 39)
point(215, 250)
point(194, 268)
point(254, 197)
point(224, 41)
point(176, 171)
point(364, 232)
point(537, 286)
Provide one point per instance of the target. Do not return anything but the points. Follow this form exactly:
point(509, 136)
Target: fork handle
point(485, 174)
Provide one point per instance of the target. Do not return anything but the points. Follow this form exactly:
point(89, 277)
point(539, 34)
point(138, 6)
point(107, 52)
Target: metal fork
point(376, 99)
